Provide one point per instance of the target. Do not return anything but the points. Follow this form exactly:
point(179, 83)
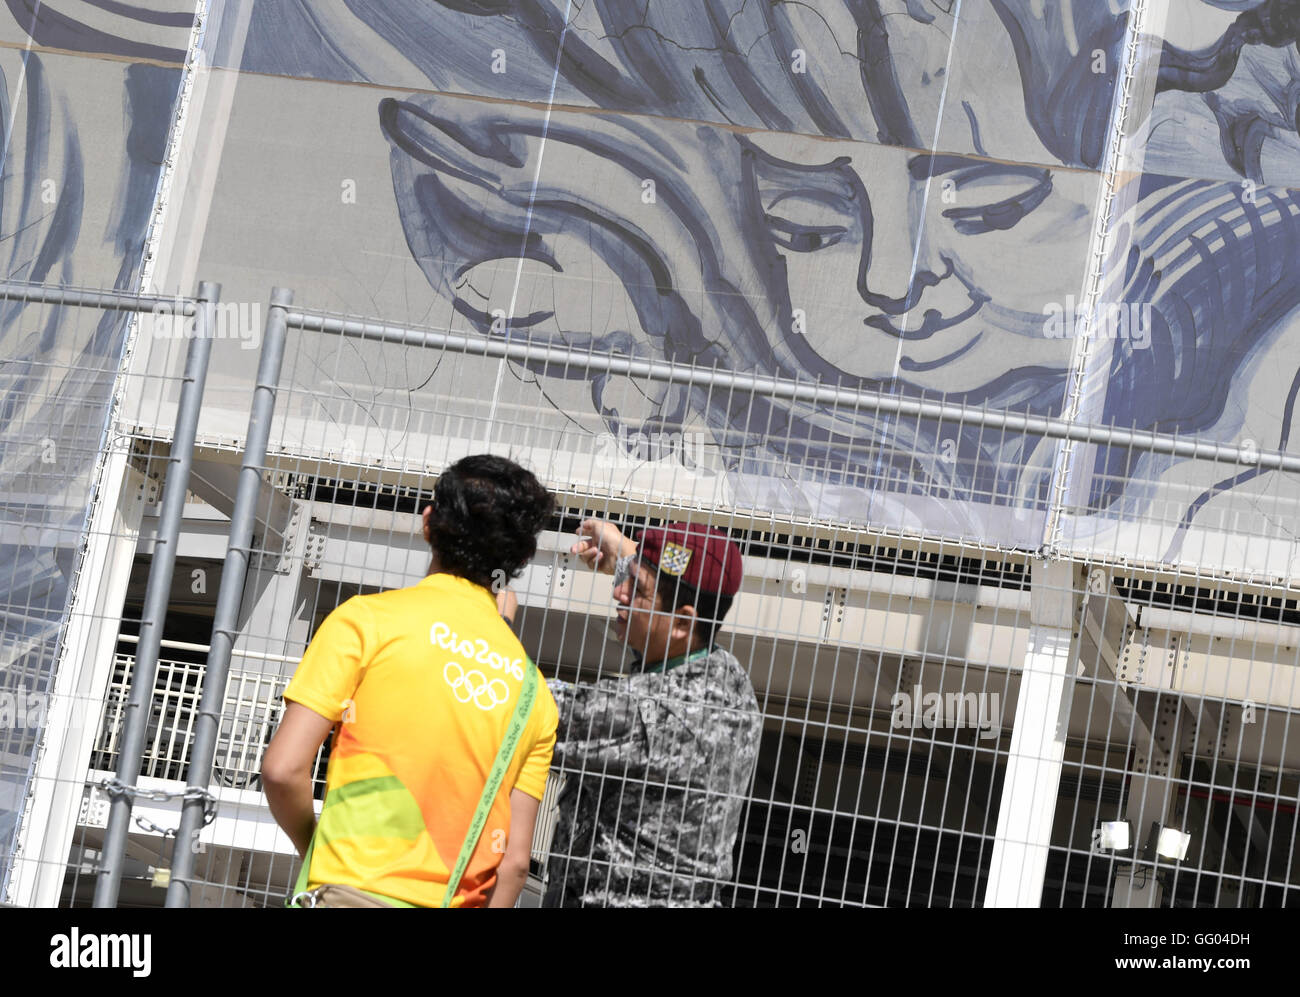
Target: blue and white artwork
point(1048, 209)
point(1206, 247)
point(83, 146)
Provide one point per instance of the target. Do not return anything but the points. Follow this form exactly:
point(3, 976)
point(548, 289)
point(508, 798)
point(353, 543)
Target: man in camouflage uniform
point(658, 762)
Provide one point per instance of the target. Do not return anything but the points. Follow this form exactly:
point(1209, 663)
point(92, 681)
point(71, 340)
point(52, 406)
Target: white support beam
point(215, 482)
point(274, 617)
point(1029, 790)
point(80, 685)
point(202, 538)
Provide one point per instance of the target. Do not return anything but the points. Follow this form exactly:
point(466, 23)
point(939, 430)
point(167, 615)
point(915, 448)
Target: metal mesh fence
point(61, 450)
point(986, 674)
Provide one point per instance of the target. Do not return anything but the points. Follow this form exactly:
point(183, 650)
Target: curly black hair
point(487, 512)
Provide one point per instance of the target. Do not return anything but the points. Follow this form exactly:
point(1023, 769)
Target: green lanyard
point(515, 730)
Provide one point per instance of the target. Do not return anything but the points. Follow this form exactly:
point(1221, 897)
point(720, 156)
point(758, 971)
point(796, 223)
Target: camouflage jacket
point(657, 765)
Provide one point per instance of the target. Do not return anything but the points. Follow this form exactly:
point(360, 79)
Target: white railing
point(250, 713)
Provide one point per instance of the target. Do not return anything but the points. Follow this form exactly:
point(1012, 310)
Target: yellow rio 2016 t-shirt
point(423, 682)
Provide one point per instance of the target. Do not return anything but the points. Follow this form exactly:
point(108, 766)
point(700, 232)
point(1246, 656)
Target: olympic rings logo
point(473, 686)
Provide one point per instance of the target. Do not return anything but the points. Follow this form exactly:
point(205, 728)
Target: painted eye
point(803, 238)
point(804, 224)
point(994, 188)
point(992, 198)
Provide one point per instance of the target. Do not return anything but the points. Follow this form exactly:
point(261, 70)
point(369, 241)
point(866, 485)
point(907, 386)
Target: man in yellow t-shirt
point(419, 685)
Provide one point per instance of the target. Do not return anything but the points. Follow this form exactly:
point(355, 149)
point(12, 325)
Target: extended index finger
point(592, 529)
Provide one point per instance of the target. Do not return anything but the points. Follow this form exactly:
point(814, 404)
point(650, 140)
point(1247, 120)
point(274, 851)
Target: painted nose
point(903, 270)
point(890, 233)
point(887, 281)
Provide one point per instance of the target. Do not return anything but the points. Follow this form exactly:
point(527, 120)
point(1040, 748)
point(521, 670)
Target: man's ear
point(683, 622)
point(425, 517)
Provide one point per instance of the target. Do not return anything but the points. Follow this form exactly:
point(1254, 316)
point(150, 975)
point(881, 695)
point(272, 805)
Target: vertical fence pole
point(135, 721)
point(229, 596)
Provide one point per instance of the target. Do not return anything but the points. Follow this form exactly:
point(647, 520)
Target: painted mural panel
point(1226, 92)
point(1201, 259)
point(1030, 74)
point(777, 230)
point(838, 69)
point(894, 196)
point(1210, 286)
point(82, 147)
point(143, 30)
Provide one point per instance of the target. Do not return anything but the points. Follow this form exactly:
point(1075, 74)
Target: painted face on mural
point(924, 271)
point(917, 268)
point(918, 255)
point(882, 262)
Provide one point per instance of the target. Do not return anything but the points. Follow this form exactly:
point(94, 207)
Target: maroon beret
point(701, 556)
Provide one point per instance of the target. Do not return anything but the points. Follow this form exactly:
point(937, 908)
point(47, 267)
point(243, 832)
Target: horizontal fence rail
point(667, 372)
point(80, 297)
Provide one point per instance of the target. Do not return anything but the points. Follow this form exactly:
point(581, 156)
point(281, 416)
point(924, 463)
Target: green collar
point(681, 659)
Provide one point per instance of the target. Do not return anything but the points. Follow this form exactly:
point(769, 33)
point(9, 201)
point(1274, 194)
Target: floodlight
point(1173, 843)
point(1114, 835)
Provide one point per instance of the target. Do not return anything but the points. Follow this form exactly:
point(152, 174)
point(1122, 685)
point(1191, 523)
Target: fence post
point(226, 616)
point(157, 591)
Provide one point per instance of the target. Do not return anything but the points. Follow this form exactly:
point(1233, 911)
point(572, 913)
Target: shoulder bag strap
point(514, 731)
point(300, 886)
